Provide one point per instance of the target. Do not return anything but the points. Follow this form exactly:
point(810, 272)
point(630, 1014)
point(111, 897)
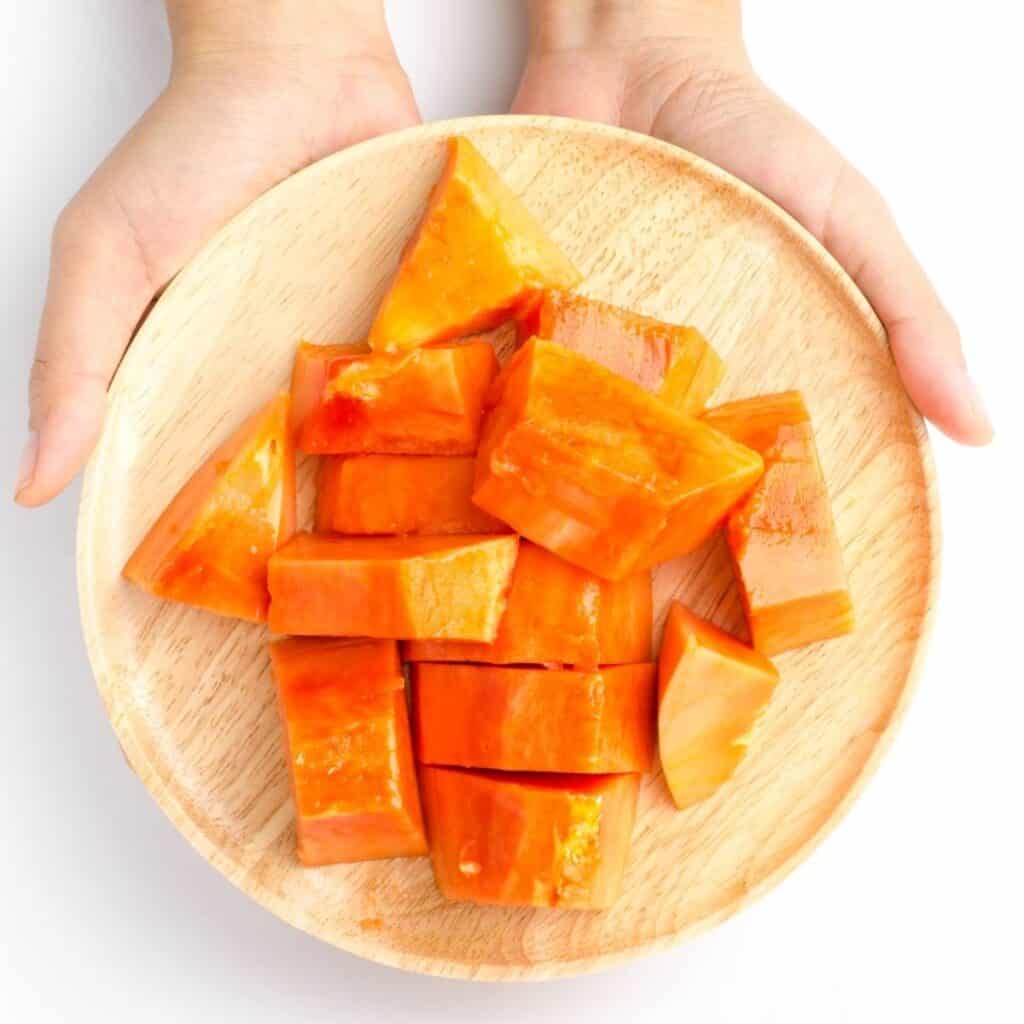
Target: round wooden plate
point(190, 694)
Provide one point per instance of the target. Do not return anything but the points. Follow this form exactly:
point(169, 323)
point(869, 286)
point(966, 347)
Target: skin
point(258, 91)
point(679, 71)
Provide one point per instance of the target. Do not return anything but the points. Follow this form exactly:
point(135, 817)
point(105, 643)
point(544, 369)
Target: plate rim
point(364, 946)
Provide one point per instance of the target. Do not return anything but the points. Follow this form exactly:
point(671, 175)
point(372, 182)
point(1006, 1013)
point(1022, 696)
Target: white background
point(910, 911)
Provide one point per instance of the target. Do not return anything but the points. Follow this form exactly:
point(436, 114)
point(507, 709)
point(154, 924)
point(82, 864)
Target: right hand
point(252, 98)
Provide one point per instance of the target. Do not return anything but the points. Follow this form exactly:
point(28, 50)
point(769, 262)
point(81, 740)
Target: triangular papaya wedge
point(476, 257)
point(211, 545)
point(711, 692)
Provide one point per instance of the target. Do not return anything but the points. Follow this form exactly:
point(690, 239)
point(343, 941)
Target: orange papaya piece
point(559, 614)
point(529, 840)
point(346, 729)
point(535, 719)
point(425, 402)
point(599, 471)
point(211, 545)
point(711, 690)
point(309, 375)
point(675, 363)
point(391, 587)
point(400, 494)
point(476, 256)
point(783, 540)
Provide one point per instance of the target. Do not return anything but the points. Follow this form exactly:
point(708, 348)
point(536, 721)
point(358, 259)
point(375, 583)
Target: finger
point(748, 131)
point(861, 233)
point(97, 293)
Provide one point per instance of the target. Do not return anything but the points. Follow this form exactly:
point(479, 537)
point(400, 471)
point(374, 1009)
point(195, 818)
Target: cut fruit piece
point(400, 494)
point(309, 375)
point(391, 587)
point(529, 840)
point(476, 256)
point(782, 537)
point(597, 470)
point(426, 402)
point(211, 545)
point(675, 363)
point(559, 614)
point(534, 719)
point(711, 690)
point(350, 758)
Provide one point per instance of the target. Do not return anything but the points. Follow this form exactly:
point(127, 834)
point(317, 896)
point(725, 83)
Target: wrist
point(292, 33)
point(560, 25)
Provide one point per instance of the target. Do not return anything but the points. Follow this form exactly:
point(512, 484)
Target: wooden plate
point(190, 695)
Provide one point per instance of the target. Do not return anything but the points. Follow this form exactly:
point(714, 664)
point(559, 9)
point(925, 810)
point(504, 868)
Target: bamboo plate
point(190, 695)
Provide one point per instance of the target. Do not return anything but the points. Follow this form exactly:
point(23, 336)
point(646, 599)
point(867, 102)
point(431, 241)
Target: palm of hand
point(214, 141)
point(720, 110)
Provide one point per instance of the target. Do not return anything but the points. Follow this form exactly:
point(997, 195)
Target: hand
point(679, 71)
point(256, 92)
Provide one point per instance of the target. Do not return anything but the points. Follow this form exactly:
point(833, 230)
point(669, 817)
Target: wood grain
point(190, 695)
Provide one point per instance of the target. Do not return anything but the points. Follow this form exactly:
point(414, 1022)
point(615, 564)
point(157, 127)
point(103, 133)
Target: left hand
point(679, 72)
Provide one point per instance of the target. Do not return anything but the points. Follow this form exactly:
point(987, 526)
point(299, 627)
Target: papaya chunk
point(346, 729)
point(400, 494)
point(675, 363)
point(391, 587)
point(425, 402)
point(534, 719)
point(211, 545)
point(559, 614)
point(309, 375)
point(783, 540)
point(477, 255)
point(599, 471)
point(711, 690)
point(529, 840)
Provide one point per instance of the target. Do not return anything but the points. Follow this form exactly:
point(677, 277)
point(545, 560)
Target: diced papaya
point(535, 719)
point(211, 545)
point(477, 255)
point(711, 690)
point(346, 729)
point(559, 614)
point(425, 402)
point(675, 363)
point(529, 840)
point(599, 471)
point(783, 540)
point(396, 494)
point(309, 375)
point(391, 587)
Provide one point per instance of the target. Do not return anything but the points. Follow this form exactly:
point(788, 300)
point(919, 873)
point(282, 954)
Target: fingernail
point(27, 465)
point(977, 406)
